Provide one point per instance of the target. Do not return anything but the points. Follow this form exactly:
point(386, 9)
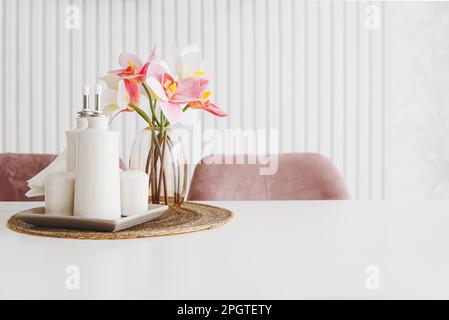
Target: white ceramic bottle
point(81, 123)
point(97, 174)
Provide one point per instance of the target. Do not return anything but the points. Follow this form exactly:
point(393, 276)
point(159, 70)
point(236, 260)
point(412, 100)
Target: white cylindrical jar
point(81, 123)
point(59, 193)
point(134, 192)
point(97, 175)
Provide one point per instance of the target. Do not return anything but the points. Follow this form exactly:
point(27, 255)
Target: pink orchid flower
point(134, 72)
point(116, 98)
point(173, 95)
point(208, 106)
point(203, 102)
point(190, 64)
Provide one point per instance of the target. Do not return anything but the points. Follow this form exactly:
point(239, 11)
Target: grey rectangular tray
point(37, 216)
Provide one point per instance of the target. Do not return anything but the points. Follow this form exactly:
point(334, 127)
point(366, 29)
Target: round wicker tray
point(190, 217)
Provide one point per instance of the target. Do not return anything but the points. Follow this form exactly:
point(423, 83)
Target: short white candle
point(134, 192)
point(59, 193)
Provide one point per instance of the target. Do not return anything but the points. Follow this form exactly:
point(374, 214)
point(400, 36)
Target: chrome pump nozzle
point(85, 110)
point(86, 94)
point(98, 93)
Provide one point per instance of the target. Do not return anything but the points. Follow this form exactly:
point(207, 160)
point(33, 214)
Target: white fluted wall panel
point(311, 69)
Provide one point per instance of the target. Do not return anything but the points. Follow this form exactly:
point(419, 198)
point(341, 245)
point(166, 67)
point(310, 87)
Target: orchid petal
point(144, 102)
point(172, 111)
point(189, 62)
point(204, 83)
point(122, 96)
point(152, 54)
point(116, 72)
point(143, 71)
point(196, 105)
point(110, 108)
point(130, 60)
point(156, 70)
point(194, 48)
point(128, 73)
point(165, 66)
point(156, 87)
point(133, 90)
point(110, 81)
point(167, 78)
point(204, 66)
point(188, 87)
point(109, 97)
point(215, 110)
point(185, 100)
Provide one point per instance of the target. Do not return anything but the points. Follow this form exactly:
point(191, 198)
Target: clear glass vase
point(162, 157)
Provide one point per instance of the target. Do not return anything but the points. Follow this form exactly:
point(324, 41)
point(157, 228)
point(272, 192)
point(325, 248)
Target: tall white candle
point(134, 192)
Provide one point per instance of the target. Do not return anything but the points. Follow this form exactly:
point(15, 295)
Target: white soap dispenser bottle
point(97, 174)
point(81, 123)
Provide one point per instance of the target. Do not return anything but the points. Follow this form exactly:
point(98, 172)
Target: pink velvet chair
point(299, 176)
point(17, 168)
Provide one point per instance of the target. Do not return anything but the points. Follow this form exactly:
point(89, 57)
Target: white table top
point(272, 250)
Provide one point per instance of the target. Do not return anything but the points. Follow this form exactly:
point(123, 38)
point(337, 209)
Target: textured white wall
point(418, 99)
point(313, 70)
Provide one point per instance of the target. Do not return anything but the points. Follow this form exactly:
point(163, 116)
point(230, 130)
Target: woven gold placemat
point(190, 217)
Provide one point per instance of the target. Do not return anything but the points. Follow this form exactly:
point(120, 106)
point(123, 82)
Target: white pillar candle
point(59, 192)
point(134, 192)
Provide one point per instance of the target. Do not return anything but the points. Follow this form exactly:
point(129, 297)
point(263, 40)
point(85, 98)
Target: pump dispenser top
point(81, 123)
point(85, 110)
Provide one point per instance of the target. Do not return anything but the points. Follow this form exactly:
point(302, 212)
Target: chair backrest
point(17, 168)
point(299, 176)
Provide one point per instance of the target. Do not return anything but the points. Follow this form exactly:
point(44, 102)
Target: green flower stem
point(152, 105)
point(153, 109)
point(161, 117)
point(141, 113)
point(162, 123)
point(144, 85)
